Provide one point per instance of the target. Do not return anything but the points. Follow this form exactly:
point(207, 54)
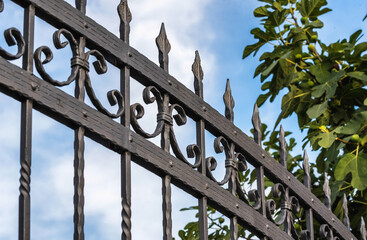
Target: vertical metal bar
point(200, 140)
point(260, 176)
point(125, 19)
point(307, 183)
point(233, 221)
point(79, 143)
point(163, 49)
point(26, 132)
point(232, 184)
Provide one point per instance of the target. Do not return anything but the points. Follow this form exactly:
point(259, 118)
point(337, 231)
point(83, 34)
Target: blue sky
point(219, 30)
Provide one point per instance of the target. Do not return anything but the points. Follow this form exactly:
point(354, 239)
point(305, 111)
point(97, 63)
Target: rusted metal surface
point(174, 103)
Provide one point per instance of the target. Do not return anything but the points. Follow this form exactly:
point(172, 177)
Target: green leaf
point(321, 71)
point(316, 110)
point(312, 8)
point(357, 166)
point(354, 124)
point(315, 24)
point(262, 98)
point(261, 12)
point(327, 139)
point(329, 86)
point(358, 75)
point(278, 6)
point(252, 48)
point(364, 17)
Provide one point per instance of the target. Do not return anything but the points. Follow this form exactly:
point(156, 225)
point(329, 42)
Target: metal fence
point(175, 102)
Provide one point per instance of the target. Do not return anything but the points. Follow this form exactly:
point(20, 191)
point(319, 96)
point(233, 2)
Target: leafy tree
point(326, 88)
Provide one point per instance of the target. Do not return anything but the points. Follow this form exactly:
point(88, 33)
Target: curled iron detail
point(234, 163)
point(327, 233)
point(13, 37)
point(78, 62)
point(289, 206)
point(165, 117)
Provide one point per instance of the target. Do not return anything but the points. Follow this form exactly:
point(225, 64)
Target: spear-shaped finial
point(346, 220)
point(283, 147)
point(256, 122)
point(306, 170)
point(163, 48)
point(1, 5)
point(228, 102)
point(125, 19)
point(327, 192)
point(363, 229)
point(198, 75)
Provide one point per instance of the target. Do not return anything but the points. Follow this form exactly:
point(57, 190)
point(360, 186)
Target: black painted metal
point(252, 210)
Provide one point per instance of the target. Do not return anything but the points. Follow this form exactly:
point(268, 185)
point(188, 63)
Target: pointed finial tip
point(198, 71)
point(124, 12)
point(228, 102)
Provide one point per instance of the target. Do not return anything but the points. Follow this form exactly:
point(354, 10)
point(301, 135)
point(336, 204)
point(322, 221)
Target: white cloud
point(52, 167)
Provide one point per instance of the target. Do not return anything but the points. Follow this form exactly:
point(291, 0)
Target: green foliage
point(325, 87)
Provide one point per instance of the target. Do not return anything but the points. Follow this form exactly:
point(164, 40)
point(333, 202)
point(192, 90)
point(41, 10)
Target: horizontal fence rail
point(82, 31)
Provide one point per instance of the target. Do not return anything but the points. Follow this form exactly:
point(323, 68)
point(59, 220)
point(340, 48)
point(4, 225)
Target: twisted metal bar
point(125, 19)
point(26, 132)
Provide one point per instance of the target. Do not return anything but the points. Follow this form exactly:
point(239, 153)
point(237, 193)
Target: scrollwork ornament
point(78, 62)
point(235, 162)
point(326, 232)
point(13, 37)
point(165, 117)
point(289, 206)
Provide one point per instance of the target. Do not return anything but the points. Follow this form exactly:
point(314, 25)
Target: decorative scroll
point(78, 62)
point(150, 95)
point(289, 204)
point(234, 161)
point(12, 37)
point(326, 232)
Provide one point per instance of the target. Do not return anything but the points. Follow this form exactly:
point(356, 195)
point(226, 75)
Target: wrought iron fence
point(174, 103)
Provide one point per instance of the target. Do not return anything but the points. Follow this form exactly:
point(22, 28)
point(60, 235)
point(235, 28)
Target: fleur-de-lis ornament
point(234, 161)
point(79, 62)
point(289, 204)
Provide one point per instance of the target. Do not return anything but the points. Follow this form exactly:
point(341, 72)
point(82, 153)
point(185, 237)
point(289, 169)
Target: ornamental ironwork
point(266, 217)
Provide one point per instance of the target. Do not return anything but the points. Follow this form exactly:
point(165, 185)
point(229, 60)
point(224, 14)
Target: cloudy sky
point(219, 30)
